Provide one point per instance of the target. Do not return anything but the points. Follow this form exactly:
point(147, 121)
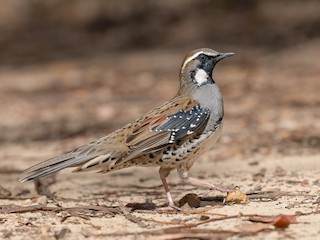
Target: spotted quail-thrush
point(171, 136)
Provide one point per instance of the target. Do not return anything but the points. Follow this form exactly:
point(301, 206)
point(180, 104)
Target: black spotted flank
point(184, 123)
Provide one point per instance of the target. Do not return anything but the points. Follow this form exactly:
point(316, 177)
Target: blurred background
point(72, 71)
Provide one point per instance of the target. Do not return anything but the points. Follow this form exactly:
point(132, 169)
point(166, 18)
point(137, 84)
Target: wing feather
point(171, 126)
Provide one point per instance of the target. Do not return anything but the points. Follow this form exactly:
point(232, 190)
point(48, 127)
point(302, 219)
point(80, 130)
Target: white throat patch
point(201, 77)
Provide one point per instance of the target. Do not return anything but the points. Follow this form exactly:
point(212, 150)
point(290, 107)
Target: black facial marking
point(193, 74)
point(207, 63)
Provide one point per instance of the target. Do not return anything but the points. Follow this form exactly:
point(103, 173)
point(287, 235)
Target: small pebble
point(43, 200)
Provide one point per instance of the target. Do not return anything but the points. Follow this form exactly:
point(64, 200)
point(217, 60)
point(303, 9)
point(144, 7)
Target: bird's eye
point(202, 57)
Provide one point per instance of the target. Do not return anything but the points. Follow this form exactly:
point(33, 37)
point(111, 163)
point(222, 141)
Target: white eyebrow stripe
point(190, 58)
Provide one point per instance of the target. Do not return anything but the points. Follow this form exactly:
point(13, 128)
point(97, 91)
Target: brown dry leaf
point(283, 221)
point(279, 221)
point(141, 206)
point(192, 199)
point(204, 218)
point(237, 197)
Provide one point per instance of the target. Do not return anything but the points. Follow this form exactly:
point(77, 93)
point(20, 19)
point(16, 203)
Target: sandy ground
point(269, 148)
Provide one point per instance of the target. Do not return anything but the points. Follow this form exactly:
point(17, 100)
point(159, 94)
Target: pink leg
point(208, 185)
point(166, 188)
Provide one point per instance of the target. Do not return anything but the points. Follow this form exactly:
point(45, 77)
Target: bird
point(171, 136)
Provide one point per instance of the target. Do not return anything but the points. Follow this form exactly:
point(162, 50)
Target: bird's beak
point(223, 55)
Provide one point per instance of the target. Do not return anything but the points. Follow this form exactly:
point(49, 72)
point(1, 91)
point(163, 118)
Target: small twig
point(273, 194)
point(130, 217)
point(188, 212)
point(14, 198)
point(20, 209)
point(161, 222)
point(4, 170)
point(178, 233)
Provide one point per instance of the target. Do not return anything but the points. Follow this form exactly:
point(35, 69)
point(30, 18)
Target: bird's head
point(197, 66)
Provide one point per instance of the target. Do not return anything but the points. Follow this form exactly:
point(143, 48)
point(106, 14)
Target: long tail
point(84, 157)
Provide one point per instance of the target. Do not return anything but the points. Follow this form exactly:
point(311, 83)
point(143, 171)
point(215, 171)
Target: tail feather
point(96, 155)
point(48, 163)
point(72, 158)
point(86, 158)
point(51, 166)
